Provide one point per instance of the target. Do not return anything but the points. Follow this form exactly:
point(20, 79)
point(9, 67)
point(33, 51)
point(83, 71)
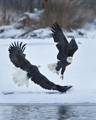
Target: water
point(47, 112)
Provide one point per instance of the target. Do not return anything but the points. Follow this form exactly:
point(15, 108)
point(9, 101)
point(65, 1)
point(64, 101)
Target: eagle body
point(18, 58)
point(66, 49)
point(62, 65)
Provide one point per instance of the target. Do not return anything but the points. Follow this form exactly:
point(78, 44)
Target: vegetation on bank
point(70, 14)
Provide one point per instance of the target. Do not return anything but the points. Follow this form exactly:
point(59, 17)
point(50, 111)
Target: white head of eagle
point(69, 59)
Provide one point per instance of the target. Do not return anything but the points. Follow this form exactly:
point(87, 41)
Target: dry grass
point(68, 13)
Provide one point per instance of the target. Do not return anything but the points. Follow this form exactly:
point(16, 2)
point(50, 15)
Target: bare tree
point(4, 12)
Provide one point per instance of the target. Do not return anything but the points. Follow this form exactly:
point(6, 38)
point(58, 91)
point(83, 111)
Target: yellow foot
point(62, 77)
point(39, 66)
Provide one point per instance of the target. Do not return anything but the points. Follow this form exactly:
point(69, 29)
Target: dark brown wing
point(46, 84)
point(72, 47)
point(17, 57)
point(61, 40)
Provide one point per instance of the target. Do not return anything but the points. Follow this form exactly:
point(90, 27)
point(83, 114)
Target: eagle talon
point(39, 66)
point(62, 77)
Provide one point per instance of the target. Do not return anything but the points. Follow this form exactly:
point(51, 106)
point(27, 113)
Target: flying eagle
point(17, 57)
point(66, 50)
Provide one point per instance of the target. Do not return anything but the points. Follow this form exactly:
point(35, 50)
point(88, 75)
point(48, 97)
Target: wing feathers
point(72, 47)
point(59, 37)
point(23, 47)
point(65, 49)
point(17, 46)
point(16, 54)
point(57, 33)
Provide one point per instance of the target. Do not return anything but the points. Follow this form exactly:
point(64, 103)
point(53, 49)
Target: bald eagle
point(17, 57)
point(66, 50)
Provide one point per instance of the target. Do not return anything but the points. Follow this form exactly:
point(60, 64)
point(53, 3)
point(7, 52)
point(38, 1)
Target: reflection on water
point(47, 112)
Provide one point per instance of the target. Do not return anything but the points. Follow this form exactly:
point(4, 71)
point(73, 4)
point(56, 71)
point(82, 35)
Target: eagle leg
point(39, 66)
point(62, 77)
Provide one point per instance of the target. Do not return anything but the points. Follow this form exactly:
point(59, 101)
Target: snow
point(36, 15)
point(80, 74)
point(10, 31)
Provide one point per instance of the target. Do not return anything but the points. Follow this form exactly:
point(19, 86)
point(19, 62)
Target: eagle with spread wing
point(17, 57)
point(66, 50)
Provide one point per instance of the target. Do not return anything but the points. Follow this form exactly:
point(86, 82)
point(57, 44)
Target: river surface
point(47, 112)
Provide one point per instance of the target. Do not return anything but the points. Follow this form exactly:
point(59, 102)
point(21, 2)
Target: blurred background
point(70, 14)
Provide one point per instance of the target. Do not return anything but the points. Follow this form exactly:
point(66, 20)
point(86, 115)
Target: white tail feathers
point(20, 77)
point(52, 68)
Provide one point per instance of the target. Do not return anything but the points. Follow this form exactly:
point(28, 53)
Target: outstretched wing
point(17, 57)
point(72, 47)
point(61, 40)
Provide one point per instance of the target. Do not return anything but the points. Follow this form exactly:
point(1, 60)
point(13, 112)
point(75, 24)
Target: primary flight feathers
point(17, 57)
